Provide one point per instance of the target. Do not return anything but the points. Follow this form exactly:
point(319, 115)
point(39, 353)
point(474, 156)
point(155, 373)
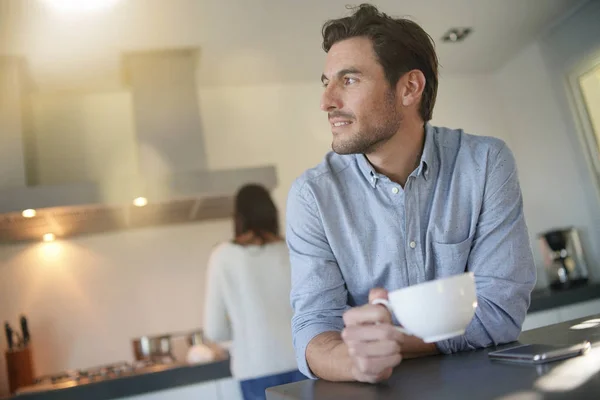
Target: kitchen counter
point(471, 375)
point(545, 299)
point(137, 384)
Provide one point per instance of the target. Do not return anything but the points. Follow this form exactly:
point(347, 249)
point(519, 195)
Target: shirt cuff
point(304, 336)
point(444, 347)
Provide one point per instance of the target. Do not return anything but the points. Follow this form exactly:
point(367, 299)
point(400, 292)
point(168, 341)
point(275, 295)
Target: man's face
point(362, 108)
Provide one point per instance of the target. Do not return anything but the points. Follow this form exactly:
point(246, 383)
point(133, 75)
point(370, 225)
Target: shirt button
point(395, 190)
point(412, 244)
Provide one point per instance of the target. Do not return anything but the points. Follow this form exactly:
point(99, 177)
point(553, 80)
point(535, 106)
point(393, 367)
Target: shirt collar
point(427, 158)
point(425, 165)
point(367, 169)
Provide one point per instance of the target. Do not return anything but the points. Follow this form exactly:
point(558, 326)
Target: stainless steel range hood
point(172, 172)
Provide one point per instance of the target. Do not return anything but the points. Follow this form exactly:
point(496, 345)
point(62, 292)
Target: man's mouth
point(340, 123)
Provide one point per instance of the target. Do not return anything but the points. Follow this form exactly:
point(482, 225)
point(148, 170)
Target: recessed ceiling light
point(29, 213)
point(456, 34)
point(140, 201)
point(49, 237)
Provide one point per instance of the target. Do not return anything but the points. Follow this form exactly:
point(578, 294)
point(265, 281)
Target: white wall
point(552, 188)
point(87, 297)
point(470, 102)
point(558, 188)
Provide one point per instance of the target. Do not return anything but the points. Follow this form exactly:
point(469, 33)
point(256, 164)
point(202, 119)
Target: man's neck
point(399, 156)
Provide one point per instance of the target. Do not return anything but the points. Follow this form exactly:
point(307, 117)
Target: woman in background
point(248, 291)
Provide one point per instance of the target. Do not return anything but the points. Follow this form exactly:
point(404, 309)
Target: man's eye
point(349, 80)
point(325, 84)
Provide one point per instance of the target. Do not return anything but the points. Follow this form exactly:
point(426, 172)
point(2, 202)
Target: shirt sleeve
point(216, 325)
point(501, 261)
point(318, 296)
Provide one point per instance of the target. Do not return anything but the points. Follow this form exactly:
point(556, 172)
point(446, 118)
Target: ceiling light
point(49, 237)
point(456, 35)
point(140, 201)
point(29, 213)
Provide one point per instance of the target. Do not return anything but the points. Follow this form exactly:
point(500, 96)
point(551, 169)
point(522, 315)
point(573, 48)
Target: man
point(398, 202)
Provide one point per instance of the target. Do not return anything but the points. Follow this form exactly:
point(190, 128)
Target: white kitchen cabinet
point(561, 314)
point(223, 389)
point(580, 310)
point(229, 389)
point(541, 318)
point(202, 391)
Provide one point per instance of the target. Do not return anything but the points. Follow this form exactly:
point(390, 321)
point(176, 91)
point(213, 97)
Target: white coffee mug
point(435, 310)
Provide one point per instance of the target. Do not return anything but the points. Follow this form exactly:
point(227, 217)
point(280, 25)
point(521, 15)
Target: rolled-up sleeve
point(501, 260)
point(318, 296)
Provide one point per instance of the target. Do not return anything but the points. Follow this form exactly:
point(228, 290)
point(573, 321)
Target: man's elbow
point(506, 332)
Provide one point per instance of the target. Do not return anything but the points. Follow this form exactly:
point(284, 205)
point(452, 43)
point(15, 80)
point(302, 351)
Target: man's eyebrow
point(341, 73)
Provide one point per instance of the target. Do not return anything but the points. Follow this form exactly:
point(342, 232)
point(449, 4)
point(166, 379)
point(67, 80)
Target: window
point(584, 82)
point(589, 83)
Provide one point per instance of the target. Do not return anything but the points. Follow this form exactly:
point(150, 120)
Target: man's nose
point(330, 100)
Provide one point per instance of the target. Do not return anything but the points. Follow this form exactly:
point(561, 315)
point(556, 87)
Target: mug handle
point(387, 305)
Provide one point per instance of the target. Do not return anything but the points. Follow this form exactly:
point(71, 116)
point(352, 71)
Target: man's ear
point(410, 87)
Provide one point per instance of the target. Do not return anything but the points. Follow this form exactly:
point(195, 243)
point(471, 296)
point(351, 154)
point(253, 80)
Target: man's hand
point(374, 344)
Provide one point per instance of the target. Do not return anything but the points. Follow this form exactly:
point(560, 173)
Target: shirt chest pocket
point(451, 258)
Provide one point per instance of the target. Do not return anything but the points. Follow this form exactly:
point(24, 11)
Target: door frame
point(588, 139)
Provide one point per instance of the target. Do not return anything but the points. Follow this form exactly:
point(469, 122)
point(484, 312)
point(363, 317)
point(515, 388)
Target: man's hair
point(401, 45)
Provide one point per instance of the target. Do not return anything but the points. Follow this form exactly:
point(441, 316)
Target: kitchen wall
point(558, 187)
point(87, 297)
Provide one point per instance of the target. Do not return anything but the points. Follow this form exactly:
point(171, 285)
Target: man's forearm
point(327, 357)
point(414, 347)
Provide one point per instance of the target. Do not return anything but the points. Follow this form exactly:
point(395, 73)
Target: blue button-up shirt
point(350, 229)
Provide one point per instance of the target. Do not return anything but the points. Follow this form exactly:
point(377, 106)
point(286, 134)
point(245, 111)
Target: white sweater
point(248, 302)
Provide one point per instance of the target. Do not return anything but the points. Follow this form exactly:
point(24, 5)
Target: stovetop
point(70, 378)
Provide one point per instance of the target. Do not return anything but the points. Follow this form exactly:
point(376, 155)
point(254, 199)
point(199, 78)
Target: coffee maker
point(563, 258)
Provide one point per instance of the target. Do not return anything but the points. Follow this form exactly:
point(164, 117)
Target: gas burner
point(72, 378)
point(107, 371)
point(60, 377)
point(153, 362)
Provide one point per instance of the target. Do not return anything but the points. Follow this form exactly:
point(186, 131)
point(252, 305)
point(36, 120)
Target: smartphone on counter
point(539, 353)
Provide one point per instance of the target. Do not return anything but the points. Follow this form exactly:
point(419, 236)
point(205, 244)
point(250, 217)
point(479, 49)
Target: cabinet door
point(541, 318)
point(229, 389)
point(579, 310)
point(204, 391)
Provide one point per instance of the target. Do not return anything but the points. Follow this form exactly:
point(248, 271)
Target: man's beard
point(372, 137)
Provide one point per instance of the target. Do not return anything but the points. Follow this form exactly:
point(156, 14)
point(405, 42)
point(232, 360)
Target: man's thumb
point(377, 293)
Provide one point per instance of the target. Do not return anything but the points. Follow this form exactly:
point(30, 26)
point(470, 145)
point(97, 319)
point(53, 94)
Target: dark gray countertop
point(545, 299)
point(137, 384)
point(469, 375)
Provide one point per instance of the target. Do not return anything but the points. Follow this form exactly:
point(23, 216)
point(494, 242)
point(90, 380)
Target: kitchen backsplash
point(86, 298)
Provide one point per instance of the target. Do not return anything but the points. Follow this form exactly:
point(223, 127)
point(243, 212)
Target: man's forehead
point(350, 54)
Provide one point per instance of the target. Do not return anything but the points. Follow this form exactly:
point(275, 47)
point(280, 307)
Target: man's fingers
point(375, 366)
point(385, 374)
point(377, 293)
point(367, 314)
point(368, 333)
point(380, 348)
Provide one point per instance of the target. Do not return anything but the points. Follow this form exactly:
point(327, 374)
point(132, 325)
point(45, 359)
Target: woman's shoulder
point(227, 251)
point(223, 250)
